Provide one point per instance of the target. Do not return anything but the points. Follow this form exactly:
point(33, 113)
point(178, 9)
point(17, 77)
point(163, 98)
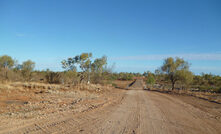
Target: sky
point(135, 35)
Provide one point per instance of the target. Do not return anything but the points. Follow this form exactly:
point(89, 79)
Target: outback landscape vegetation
point(110, 67)
point(86, 84)
point(174, 73)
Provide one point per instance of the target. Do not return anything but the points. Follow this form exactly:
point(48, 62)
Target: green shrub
point(218, 90)
point(150, 80)
point(114, 84)
point(53, 77)
point(70, 77)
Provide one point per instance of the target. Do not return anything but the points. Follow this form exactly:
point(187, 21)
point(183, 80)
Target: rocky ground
point(39, 108)
point(24, 102)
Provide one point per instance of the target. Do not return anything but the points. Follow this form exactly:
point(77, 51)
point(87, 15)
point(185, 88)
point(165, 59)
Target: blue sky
point(136, 35)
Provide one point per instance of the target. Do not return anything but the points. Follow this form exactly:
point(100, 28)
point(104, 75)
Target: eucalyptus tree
point(26, 68)
point(177, 70)
point(98, 65)
point(98, 68)
point(83, 61)
point(6, 63)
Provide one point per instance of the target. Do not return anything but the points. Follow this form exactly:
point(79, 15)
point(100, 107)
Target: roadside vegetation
point(174, 74)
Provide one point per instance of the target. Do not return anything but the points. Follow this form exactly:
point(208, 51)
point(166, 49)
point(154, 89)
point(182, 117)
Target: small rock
point(26, 102)
point(81, 130)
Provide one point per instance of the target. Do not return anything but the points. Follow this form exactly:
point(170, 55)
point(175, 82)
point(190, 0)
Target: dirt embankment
point(29, 102)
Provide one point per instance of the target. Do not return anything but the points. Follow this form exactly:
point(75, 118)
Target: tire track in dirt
point(139, 112)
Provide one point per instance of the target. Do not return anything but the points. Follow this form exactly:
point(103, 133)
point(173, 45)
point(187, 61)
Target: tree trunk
point(173, 85)
point(6, 73)
point(173, 81)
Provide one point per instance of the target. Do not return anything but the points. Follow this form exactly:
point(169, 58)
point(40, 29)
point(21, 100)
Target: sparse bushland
point(78, 69)
point(198, 83)
point(27, 68)
point(175, 74)
point(6, 64)
point(84, 68)
point(207, 82)
point(177, 70)
point(150, 78)
point(53, 77)
point(91, 71)
point(125, 76)
point(95, 71)
point(83, 61)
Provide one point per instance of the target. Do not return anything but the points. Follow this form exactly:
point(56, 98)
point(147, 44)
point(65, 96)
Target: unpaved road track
point(138, 112)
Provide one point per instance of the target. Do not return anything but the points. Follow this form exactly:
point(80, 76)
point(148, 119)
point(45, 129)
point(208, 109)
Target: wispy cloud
point(20, 35)
point(202, 56)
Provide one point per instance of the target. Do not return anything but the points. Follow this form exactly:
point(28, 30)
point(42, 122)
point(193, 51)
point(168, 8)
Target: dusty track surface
point(137, 112)
point(137, 84)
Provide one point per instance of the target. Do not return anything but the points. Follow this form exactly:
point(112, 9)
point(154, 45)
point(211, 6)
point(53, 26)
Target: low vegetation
point(174, 73)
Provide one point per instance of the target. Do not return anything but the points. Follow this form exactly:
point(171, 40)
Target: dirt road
point(137, 112)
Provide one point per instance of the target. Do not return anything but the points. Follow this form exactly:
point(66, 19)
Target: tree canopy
point(176, 70)
point(27, 68)
point(6, 61)
point(85, 63)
